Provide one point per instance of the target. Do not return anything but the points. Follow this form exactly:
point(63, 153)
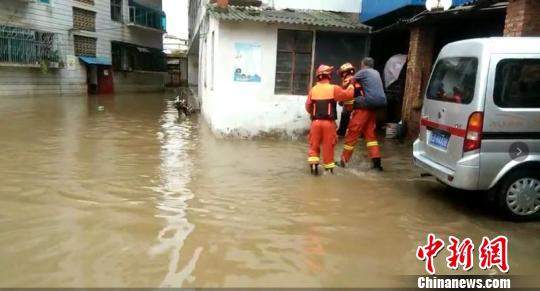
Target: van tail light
point(473, 136)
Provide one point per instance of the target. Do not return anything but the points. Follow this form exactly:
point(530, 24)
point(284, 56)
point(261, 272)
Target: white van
point(480, 123)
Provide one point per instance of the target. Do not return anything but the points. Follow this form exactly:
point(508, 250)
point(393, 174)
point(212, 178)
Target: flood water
point(117, 191)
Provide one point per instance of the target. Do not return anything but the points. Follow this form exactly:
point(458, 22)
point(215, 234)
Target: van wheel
point(518, 195)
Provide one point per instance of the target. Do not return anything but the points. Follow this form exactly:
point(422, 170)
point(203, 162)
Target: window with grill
point(84, 19)
point(27, 46)
point(84, 46)
point(293, 65)
point(89, 2)
point(116, 10)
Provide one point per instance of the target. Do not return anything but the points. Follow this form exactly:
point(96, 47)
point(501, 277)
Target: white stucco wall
point(240, 108)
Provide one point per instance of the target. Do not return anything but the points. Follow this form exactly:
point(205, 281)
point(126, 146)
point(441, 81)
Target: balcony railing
point(27, 46)
point(147, 17)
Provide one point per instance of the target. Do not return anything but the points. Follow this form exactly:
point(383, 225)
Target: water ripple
point(176, 166)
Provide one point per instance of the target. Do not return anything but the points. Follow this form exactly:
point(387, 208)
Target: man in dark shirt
point(363, 118)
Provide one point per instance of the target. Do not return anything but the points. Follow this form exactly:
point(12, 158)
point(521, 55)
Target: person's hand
point(347, 81)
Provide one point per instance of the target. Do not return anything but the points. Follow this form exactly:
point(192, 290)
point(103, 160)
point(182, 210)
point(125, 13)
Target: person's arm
point(309, 104)
point(359, 76)
point(343, 94)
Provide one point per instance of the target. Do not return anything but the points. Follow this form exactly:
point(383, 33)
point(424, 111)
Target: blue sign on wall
point(376, 8)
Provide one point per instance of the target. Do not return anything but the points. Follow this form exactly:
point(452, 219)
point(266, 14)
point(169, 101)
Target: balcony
point(27, 47)
point(146, 18)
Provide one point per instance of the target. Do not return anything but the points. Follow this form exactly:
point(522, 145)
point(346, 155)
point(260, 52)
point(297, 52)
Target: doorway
point(99, 79)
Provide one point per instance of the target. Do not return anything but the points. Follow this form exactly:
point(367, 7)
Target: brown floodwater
point(117, 191)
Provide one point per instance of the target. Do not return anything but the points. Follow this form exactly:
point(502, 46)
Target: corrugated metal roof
point(428, 17)
point(300, 17)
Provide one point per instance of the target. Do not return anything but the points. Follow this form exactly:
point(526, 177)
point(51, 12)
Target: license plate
point(439, 139)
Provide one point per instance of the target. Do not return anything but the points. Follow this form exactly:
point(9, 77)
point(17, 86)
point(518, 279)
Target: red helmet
point(324, 70)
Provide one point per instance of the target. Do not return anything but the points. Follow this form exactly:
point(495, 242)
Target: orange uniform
point(362, 122)
point(321, 105)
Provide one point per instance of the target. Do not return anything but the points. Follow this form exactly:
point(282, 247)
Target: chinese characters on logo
point(491, 253)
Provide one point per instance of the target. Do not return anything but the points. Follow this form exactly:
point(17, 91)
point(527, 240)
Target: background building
point(405, 27)
point(79, 46)
point(253, 61)
point(176, 50)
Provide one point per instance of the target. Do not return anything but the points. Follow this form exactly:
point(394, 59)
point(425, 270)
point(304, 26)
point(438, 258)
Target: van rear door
point(450, 100)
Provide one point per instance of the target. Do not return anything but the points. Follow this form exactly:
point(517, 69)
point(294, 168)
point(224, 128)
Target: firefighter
point(347, 105)
point(346, 72)
point(368, 97)
point(321, 106)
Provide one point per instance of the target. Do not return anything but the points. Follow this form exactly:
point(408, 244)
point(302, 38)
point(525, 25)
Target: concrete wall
point(241, 108)
point(192, 70)
point(57, 17)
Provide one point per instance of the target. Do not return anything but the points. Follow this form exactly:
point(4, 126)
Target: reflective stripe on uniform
point(372, 144)
point(348, 147)
point(313, 159)
point(329, 166)
point(351, 102)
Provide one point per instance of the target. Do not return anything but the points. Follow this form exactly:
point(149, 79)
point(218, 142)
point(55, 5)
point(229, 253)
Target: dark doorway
point(335, 49)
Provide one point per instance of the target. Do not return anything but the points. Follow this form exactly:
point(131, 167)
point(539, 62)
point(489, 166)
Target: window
point(146, 16)
point(84, 19)
point(84, 46)
point(453, 80)
point(27, 46)
point(517, 83)
point(293, 65)
point(116, 10)
point(89, 2)
point(45, 1)
point(117, 54)
point(129, 57)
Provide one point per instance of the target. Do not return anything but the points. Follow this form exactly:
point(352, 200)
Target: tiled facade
point(77, 28)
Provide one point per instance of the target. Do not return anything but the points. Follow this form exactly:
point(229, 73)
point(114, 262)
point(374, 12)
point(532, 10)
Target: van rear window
point(453, 80)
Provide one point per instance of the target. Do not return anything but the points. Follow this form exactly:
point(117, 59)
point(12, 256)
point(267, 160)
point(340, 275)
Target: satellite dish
point(438, 4)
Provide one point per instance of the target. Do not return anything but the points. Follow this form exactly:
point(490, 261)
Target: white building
point(253, 62)
point(79, 46)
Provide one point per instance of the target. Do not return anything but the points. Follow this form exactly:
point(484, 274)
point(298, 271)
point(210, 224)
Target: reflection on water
point(177, 143)
point(117, 191)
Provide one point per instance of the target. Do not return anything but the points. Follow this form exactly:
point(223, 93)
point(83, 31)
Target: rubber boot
point(314, 169)
point(330, 170)
point(341, 164)
point(377, 164)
